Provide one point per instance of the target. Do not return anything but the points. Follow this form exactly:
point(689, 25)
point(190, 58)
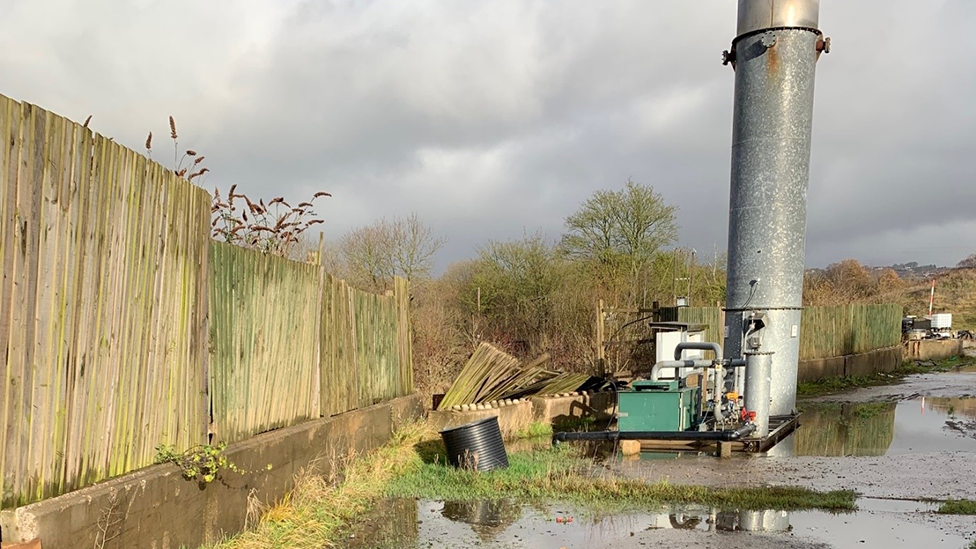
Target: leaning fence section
point(264, 334)
point(103, 306)
point(365, 346)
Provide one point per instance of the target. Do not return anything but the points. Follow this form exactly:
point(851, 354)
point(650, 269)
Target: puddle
point(884, 428)
point(409, 523)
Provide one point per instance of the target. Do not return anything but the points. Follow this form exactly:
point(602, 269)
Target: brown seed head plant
point(273, 228)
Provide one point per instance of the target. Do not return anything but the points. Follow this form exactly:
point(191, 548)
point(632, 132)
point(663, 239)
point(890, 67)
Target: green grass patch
point(856, 411)
point(537, 429)
point(561, 474)
point(832, 385)
point(587, 423)
point(958, 507)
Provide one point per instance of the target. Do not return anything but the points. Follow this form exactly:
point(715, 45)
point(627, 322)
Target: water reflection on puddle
point(884, 428)
point(433, 524)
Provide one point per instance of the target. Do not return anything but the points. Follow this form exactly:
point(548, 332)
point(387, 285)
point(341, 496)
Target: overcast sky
point(495, 118)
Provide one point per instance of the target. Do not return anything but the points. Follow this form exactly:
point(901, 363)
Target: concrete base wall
point(932, 349)
point(515, 418)
point(512, 419)
point(557, 410)
point(820, 368)
point(157, 508)
point(872, 362)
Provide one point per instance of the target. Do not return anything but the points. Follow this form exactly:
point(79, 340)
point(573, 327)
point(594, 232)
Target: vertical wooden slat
point(29, 206)
point(11, 241)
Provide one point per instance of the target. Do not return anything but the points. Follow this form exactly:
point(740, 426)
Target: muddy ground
point(898, 446)
point(920, 474)
point(923, 474)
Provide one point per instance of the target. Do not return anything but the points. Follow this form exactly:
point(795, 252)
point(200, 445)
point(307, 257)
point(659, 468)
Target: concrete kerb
point(820, 368)
point(515, 418)
point(568, 409)
point(157, 507)
point(887, 359)
point(932, 349)
point(512, 419)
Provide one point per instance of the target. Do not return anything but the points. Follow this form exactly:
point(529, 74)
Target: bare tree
point(402, 247)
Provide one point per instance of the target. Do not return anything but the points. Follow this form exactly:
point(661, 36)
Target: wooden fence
point(102, 306)
point(122, 324)
point(824, 331)
point(848, 329)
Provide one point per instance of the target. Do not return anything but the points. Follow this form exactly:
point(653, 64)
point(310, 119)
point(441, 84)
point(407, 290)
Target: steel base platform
point(780, 427)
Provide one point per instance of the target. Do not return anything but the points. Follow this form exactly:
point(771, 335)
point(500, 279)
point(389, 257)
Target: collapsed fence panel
point(102, 306)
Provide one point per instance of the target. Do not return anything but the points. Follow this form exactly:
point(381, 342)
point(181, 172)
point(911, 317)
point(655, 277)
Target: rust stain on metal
point(772, 60)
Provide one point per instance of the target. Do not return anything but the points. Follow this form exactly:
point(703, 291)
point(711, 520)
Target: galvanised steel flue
point(774, 56)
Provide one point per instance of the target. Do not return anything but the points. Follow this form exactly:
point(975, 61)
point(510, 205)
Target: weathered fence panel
point(102, 306)
point(365, 346)
point(264, 336)
point(848, 329)
point(712, 317)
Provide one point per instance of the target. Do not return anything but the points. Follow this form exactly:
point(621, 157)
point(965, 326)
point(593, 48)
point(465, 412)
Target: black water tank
point(476, 445)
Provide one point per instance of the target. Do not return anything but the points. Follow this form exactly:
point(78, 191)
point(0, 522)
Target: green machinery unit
point(657, 406)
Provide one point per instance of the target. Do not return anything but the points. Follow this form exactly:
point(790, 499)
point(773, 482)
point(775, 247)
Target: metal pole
point(774, 56)
point(601, 345)
point(932, 297)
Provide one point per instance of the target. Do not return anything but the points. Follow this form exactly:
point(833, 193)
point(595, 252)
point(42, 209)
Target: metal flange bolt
point(728, 57)
point(823, 45)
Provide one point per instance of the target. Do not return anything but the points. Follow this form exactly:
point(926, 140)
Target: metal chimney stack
point(774, 55)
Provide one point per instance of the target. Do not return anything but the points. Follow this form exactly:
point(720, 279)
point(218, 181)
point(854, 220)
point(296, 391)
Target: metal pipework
point(696, 365)
point(717, 391)
point(697, 346)
point(758, 372)
point(774, 56)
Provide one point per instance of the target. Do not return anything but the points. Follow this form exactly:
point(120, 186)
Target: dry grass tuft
point(319, 507)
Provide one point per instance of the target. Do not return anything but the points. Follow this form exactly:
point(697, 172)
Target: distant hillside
point(913, 271)
point(955, 292)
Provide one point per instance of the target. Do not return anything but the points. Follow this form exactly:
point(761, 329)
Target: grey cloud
point(495, 118)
